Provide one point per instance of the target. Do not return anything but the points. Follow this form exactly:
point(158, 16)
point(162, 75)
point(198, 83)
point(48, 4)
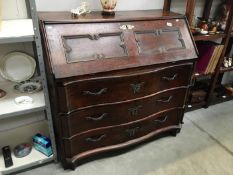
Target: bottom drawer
point(94, 141)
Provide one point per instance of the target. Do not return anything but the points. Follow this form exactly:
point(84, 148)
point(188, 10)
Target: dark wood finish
point(120, 113)
point(159, 42)
point(226, 41)
point(217, 100)
point(95, 17)
point(167, 5)
point(190, 6)
point(120, 88)
point(80, 144)
point(209, 37)
point(226, 69)
point(105, 100)
point(206, 12)
point(195, 106)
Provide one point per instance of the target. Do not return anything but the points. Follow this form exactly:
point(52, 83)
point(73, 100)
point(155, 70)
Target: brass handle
point(99, 56)
point(134, 111)
point(97, 118)
point(102, 91)
point(137, 87)
point(132, 131)
point(95, 139)
point(94, 36)
point(130, 27)
point(163, 120)
point(165, 100)
point(170, 78)
point(127, 27)
point(123, 27)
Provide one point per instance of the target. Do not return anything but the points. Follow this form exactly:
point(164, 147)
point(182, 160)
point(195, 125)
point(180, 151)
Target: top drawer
point(114, 89)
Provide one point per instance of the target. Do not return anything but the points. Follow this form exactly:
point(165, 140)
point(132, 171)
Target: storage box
point(198, 96)
point(42, 144)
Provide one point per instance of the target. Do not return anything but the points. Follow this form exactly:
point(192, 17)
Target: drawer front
point(116, 89)
point(120, 134)
point(116, 114)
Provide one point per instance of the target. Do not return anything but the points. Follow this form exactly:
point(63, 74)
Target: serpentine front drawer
point(121, 88)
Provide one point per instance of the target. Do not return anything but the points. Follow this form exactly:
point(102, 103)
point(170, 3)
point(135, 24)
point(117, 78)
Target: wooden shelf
point(223, 98)
point(209, 37)
point(8, 106)
point(20, 30)
point(35, 158)
point(191, 107)
point(224, 69)
point(203, 76)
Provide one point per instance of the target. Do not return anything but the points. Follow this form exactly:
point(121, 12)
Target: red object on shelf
point(206, 51)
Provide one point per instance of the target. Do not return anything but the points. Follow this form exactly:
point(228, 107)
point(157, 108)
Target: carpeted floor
point(204, 147)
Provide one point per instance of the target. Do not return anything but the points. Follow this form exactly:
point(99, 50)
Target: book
point(206, 50)
point(210, 64)
point(216, 58)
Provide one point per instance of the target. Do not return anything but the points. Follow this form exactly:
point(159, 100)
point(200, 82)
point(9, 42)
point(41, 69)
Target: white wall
point(61, 5)
point(12, 9)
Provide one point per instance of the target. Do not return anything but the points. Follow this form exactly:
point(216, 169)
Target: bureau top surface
point(95, 44)
point(64, 17)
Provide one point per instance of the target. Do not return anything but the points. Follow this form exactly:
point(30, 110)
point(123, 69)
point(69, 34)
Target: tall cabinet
point(18, 124)
point(214, 88)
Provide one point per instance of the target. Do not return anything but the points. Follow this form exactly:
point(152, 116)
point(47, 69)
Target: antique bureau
point(115, 81)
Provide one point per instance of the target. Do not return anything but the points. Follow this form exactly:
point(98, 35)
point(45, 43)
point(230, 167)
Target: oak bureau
point(115, 81)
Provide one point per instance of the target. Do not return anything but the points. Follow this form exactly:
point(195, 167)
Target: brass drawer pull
point(170, 78)
point(130, 27)
point(134, 111)
point(97, 118)
point(132, 132)
point(137, 87)
point(165, 100)
point(102, 91)
point(127, 27)
point(96, 139)
point(163, 120)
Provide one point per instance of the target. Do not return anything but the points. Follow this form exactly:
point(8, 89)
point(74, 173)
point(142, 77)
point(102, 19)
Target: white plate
point(17, 66)
point(23, 100)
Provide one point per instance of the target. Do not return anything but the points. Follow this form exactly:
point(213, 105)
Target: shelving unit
point(10, 109)
point(209, 37)
point(33, 159)
point(224, 69)
point(214, 78)
point(21, 31)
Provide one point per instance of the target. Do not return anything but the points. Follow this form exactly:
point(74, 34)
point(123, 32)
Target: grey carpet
point(204, 147)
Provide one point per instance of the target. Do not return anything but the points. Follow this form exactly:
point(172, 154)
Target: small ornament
point(83, 9)
point(229, 62)
point(108, 7)
point(225, 63)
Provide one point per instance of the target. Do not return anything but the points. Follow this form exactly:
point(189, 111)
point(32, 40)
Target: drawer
point(120, 113)
point(107, 137)
point(113, 89)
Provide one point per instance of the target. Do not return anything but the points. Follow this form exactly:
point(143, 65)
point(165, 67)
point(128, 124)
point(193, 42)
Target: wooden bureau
point(115, 81)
